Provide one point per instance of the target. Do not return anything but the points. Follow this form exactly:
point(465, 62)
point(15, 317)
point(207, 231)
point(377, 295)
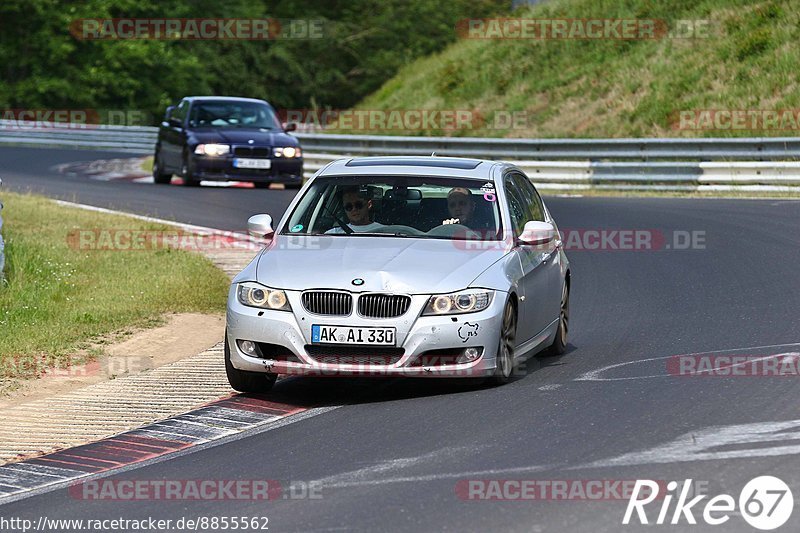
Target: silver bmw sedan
point(401, 266)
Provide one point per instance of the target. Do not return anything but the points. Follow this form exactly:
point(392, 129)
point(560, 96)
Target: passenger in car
point(358, 207)
point(460, 205)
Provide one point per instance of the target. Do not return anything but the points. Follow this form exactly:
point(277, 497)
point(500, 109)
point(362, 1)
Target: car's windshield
point(222, 114)
point(402, 206)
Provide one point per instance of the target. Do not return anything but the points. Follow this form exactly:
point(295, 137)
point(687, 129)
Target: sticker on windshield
point(488, 192)
point(295, 229)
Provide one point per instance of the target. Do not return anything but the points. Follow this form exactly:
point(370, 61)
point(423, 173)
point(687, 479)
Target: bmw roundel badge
point(358, 281)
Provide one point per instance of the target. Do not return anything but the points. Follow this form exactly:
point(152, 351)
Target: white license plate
point(242, 162)
point(349, 335)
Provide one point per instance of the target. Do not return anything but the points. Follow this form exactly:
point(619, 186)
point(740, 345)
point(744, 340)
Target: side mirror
point(168, 113)
point(260, 226)
point(537, 233)
point(291, 126)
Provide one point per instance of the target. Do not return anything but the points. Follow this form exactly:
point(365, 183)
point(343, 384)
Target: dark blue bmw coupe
point(219, 138)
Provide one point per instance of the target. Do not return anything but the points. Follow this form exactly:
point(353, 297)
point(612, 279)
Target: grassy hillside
point(613, 88)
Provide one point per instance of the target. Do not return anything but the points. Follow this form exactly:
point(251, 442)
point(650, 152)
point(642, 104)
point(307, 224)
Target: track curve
point(395, 453)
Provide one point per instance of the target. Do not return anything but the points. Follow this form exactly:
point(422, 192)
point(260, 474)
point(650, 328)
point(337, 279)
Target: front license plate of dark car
point(241, 162)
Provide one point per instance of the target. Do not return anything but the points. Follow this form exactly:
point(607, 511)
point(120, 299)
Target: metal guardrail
point(690, 176)
point(128, 139)
point(765, 164)
point(765, 148)
point(142, 138)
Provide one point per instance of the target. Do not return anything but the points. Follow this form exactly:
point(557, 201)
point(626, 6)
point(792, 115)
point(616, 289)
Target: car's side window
point(180, 111)
point(516, 206)
point(534, 203)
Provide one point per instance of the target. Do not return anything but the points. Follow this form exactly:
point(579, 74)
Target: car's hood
point(244, 136)
point(411, 266)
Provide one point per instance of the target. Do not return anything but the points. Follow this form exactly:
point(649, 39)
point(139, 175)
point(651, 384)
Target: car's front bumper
point(281, 170)
point(415, 335)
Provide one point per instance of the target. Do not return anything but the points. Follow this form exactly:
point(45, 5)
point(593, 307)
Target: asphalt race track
point(397, 454)
point(24, 169)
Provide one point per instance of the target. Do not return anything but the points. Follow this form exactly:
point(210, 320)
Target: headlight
point(287, 151)
point(212, 149)
point(468, 301)
point(255, 295)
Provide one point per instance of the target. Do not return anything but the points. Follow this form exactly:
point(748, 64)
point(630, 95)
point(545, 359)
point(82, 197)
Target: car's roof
point(225, 98)
point(412, 165)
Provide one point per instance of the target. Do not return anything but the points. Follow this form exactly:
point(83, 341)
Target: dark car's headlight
point(212, 149)
point(256, 295)
point(468, 301)
point(287, 151)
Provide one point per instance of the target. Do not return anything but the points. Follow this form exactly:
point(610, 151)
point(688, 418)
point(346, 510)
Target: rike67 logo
point(765, 503)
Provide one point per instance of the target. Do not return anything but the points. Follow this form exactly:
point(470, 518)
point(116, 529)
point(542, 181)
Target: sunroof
point(441, 162)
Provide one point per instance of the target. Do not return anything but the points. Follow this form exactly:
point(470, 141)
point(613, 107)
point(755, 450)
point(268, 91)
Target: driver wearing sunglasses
point(358, 208)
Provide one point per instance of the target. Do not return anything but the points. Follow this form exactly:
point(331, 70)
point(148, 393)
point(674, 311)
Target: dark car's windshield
point(442, 208)
point(222, 114)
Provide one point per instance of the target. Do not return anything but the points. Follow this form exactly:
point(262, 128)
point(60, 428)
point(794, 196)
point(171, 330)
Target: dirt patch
point(183, 335)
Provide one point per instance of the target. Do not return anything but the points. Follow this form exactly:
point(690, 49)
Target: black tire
point(559, 346)
point(294, 186)
point(261, 184)
point(186, 174)
point(158, 176)
point(504, 371)
point(243, 381)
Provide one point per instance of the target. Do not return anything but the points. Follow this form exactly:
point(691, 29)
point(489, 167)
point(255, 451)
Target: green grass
point(147, 164)
point(612, 88)
point(59, 301)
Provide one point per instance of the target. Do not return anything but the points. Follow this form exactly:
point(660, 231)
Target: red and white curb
point(220, 421)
